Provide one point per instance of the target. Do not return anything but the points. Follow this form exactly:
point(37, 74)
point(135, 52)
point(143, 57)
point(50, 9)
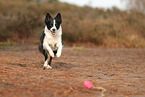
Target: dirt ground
point(121, 71)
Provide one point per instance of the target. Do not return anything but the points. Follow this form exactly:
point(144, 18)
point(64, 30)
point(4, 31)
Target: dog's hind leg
point(49, 63)
point(45, 55)
point(46, 61)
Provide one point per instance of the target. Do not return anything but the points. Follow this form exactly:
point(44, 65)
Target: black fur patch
point(49, 21)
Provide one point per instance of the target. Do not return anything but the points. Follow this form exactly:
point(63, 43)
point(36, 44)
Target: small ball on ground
point(88, 84)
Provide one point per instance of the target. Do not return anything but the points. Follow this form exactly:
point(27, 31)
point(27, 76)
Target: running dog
point(51, 39)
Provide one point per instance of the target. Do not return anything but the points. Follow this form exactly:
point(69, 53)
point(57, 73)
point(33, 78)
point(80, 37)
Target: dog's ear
point(58, 18)
point(48, 18)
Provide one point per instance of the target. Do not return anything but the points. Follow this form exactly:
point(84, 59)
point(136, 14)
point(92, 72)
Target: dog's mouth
point(53, 33)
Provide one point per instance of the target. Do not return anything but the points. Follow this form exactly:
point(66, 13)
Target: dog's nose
point(53, 30)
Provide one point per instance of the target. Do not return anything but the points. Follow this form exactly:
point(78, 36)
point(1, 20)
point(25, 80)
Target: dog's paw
point(49, 67)
point(44, 67)
point(52, 54)
point(58, 54)
point(45, 63)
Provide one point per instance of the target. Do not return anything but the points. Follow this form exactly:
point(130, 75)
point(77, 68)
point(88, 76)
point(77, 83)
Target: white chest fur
point(53, 40)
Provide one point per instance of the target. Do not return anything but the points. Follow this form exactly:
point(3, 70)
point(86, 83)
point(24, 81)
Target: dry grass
point(23, 19)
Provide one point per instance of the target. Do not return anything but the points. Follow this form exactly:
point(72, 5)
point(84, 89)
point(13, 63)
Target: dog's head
point(53, 24)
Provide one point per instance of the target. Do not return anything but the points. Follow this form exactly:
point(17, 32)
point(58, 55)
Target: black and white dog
point(51, 39)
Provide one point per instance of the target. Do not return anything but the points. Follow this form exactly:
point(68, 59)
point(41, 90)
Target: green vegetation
point(22, 19)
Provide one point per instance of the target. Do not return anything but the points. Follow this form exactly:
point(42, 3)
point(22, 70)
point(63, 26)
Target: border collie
point(51, 39)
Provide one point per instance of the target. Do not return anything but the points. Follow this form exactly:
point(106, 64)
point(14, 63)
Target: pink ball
point(88, 84)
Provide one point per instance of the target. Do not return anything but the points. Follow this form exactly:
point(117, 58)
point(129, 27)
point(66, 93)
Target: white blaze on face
point(54, 27)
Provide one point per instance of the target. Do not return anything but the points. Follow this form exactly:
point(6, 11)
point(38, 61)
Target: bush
point(23, 19)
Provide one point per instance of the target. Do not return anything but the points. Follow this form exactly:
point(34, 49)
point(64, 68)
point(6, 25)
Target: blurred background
point(107, 23)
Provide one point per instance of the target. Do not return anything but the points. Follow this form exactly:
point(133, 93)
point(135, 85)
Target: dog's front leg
point(48, 48)
point(59, 45)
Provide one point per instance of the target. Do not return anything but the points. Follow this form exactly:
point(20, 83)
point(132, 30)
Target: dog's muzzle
point(53, 31)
